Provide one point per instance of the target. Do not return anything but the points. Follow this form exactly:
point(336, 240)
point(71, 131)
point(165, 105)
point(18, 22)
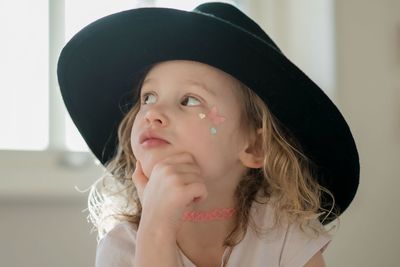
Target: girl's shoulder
point(116, 246)
point(299, 247)
point(289, 244)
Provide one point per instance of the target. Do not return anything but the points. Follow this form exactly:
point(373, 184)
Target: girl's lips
point(154, 142)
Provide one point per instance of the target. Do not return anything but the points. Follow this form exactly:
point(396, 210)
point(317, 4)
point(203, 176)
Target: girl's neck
point(207, 216)
point(209, 234)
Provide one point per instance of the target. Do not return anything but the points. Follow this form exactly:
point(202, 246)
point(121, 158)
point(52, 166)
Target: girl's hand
point(174, 184)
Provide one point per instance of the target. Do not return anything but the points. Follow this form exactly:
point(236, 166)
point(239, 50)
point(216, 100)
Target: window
point(24, 57)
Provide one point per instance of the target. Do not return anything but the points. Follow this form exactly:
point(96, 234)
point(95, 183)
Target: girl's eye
point(144, 97)
point(191, 97)
point(189, 100)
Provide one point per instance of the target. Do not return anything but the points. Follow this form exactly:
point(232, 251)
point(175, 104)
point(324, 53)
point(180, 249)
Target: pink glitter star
point(215, 118)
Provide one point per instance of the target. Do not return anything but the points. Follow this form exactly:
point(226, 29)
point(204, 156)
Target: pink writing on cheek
point(214, 117)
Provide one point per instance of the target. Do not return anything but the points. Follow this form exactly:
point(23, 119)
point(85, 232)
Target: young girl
point(218, 150)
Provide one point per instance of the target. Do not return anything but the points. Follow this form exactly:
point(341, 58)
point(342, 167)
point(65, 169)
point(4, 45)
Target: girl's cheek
point(134, 138)
point(215, 118)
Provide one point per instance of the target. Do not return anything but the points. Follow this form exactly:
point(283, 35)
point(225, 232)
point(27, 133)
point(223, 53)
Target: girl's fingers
point(196, 192)
point(181, 167)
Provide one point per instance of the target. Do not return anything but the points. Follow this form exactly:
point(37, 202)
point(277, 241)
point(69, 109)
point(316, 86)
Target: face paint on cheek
point(214, 117)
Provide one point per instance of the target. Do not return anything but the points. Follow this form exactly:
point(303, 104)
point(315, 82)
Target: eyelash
point(150, 93)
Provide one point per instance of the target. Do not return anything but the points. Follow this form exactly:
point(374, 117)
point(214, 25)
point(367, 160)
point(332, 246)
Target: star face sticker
point(215, 118)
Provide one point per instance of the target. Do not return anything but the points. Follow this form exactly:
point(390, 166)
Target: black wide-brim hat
point(98, 69)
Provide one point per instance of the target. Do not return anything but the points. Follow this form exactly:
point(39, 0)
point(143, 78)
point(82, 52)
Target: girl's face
point(196, 109)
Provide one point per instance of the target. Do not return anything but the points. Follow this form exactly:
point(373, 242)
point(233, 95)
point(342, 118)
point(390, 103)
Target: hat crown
point(234, 16)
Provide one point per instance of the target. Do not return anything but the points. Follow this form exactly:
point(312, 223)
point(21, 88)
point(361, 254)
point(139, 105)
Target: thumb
point(140, 180)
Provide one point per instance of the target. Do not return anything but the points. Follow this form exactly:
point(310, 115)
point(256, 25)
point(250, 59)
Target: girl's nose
point(156, 118)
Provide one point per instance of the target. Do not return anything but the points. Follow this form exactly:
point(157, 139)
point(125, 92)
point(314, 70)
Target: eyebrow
point(191, 82)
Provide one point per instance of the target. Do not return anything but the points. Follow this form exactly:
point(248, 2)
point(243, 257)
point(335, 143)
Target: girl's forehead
point(187, 82)
point(206, 77)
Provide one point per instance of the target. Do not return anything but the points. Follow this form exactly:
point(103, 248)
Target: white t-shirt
point(286, 247)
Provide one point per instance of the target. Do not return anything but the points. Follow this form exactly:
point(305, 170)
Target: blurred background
point(351, 48)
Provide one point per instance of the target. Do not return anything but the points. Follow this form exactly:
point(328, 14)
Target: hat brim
point(98, 67)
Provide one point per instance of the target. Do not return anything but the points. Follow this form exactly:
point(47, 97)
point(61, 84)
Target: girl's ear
point(252, 155)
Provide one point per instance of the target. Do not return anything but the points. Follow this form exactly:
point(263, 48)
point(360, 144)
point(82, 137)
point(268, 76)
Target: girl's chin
point(151, 159)
point(148, 165)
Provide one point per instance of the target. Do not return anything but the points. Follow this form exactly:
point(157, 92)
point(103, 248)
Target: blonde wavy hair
point(287, 177)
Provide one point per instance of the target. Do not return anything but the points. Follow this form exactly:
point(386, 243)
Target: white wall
point(45, 231)
point(367, 91)
point(368, 72)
